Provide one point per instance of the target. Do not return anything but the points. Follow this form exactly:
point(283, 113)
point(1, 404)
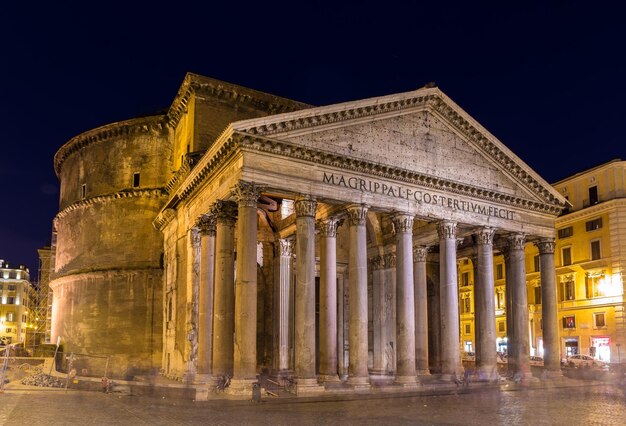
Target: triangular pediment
point(423, 135)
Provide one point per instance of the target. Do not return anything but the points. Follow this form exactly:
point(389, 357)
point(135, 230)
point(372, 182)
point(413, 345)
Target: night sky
point(547, 80)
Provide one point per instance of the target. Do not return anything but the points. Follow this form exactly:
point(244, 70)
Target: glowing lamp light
point(611, 286)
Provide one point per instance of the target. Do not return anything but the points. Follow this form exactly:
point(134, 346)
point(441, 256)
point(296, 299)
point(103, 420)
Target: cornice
point(154, 125)
point(205, 86)
point(424, 99)
point(232, 141)
point(587, 212)
point(145, 193)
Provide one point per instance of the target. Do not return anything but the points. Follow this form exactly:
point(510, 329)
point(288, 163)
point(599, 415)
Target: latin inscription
point(419, 196)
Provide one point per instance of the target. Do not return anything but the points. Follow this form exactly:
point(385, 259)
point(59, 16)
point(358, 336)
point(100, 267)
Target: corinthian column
point(305, 295)
point(206, 225)
point(328, 299)
point(450, 350)
point(485, 304)
point(358, 375)
point(520, 358)
point(282, 304)
point(244, 372)
point(421, 309)
point(405, 301)
point(551, 353)
point(224, 297)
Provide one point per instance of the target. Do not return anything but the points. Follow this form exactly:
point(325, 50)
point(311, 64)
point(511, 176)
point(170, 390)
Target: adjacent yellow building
point(590, 257)
point(14, 288)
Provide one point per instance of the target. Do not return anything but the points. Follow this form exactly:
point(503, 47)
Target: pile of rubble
point(39, 378)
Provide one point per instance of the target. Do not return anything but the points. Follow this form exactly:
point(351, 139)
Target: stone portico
point(322, 245)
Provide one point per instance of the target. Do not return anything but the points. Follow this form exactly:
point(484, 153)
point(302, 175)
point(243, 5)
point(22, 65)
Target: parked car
point(580, 360)
point(536, 360)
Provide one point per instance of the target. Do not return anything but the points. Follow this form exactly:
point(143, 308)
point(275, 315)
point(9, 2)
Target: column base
point(488, 373)
point(359, 382)
point(551, 374)
point(201, 379)
point(328, 378)
point(308, 387)
point(406, 381)
point(240, 387)
point(423, 372)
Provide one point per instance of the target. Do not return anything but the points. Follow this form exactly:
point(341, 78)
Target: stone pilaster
point(304, 311)
point(405, 301)
point(244, 370)
point(520, 358)
point(358, 375)
point(225, 213)
point(549, 315)
point(284, 249)
point(421, 309)
point(328, 300)
point(450, 350)
point(206, 225)
point(192, 284)
point(485, 304)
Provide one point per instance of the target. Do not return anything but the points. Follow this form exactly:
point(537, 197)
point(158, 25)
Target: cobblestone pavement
point(581, 404)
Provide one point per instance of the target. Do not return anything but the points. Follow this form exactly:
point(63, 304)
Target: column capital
point(446, 229)
point(225, 212)
point(206, 224)
point(516, 241)
point(484, 236)
point(390, 260)
point(402, 222)
point(357, 213)
point(419, 253)
point(377, 263)
point(305, 205)
point(246, 193)
point(546, 246)
point(286, 246)
point(194, 236)
point(328, 227)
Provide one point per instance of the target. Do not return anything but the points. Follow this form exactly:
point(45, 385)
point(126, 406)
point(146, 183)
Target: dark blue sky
point(547, 79)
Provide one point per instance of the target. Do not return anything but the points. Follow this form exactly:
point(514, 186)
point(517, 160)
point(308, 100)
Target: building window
point(593, 195)
point(500, 300)
point(599, 320)
point(566, 254)
point(9, 330)
point(10, 316)
point(468, 328)
point(541, 324)
point(566, 232)
point(569, 322)
point(499, 271)
point(136, 180)
point(12, 287)
point(501, 326)
point(538, 295)
point(594, 284)
point(83, 191)
point(567, 290)
point(592, 225)
point(595, 250)
point(536, 261)
point(10, 300)
point(466, 304)
point(465, 279)
point(169, 309)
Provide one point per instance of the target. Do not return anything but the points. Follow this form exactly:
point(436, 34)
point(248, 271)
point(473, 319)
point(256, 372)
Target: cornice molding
point(232, 140)
point(588, 212)
point(144, 193)
point(195, 84)
point(155, 125)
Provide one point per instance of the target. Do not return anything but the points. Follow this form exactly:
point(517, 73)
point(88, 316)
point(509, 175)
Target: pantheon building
point(243, 233)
